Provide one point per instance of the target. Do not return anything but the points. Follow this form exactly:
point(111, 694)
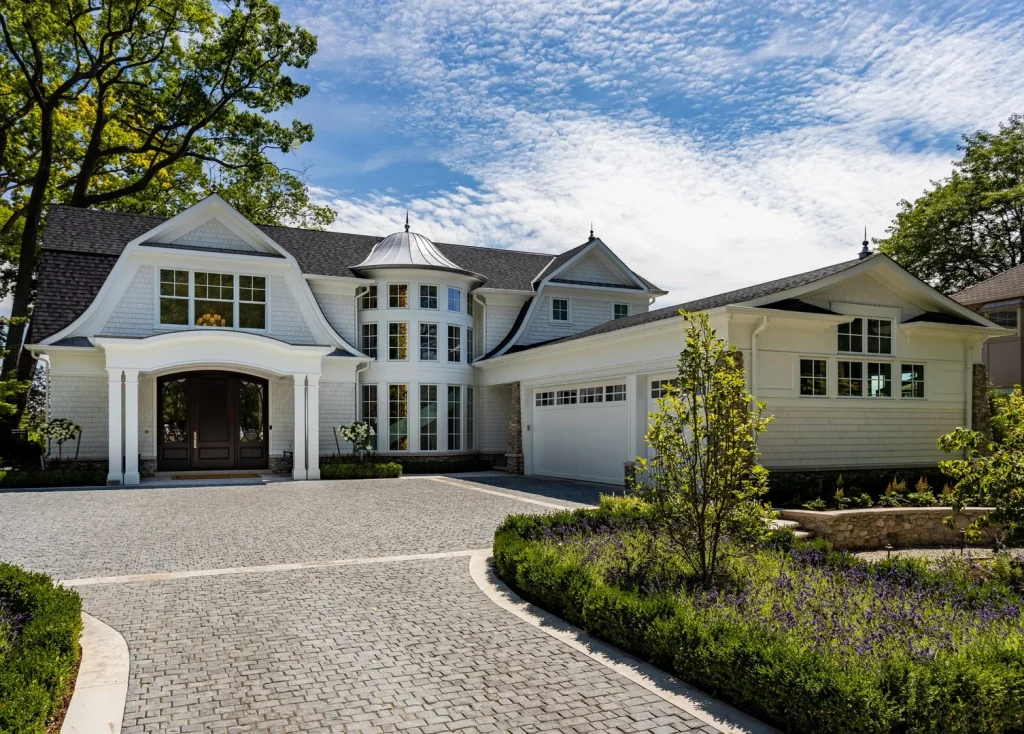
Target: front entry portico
point(213, 393)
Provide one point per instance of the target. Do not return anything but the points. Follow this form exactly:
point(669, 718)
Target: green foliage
point(60, 430)
point(991, 474)
point(388, 470)
point(427, 465)
point(798, 636)
point(39, 629)
point(75, 477)
point(360, 434)
point(704, 481)
point(793, 488)
point(968, 226)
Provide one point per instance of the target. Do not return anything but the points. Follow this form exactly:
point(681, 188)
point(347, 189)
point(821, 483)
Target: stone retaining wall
point(872, 529)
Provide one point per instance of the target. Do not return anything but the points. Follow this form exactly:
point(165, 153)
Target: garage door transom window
point(545, 398)
point(615, 393)
point(566, 397)
point(659, 388)
point(591, 395)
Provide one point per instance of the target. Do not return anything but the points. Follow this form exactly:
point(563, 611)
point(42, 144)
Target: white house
point(205, 342)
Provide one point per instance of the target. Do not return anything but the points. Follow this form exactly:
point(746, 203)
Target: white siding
point(499, 322)
point(286, 320)
point(147, 417)
point(215, 235)
point(340, 311)
point(593, 269)
point(864, 289)
point(134, 314)
point(83, 399)
point(492, 418)
point(282, 416)
point(337, 408)
point(584, 313)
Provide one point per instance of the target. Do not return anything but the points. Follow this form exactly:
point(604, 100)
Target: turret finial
point(591, 237)
point(406, 220)
point(864, 251)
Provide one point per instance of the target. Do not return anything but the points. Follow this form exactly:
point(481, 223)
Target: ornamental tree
point(991, 472)
point(704, 481)
point(359, 434)
point(61, 430)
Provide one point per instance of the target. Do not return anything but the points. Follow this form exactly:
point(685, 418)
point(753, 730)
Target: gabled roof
point(1006, 285)
point(81, 246)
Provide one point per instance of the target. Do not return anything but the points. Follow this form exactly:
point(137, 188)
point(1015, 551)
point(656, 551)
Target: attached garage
point(581, 432)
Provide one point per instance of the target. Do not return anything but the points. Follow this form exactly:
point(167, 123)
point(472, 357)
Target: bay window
point(398, 341)
point(428, 342)
point(454, 418)
point(428, 417)
point(398, 417)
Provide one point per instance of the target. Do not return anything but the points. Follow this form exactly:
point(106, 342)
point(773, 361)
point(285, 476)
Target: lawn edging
point(102, 686)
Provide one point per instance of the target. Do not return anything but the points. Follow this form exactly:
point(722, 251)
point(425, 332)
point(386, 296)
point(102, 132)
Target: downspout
point(753, 357)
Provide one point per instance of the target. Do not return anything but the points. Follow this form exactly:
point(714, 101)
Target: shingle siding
point(492, 418)
point(134, 314)
point(82, 399)
point(282, 416)
point(216, 235)
point(499, 320)
point(286, 320)
point(584, 313)
point(340, 312)
point(592, 270)
point(337, 408)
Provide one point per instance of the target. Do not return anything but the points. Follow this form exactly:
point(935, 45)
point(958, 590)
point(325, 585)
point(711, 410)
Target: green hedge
point(771, 676)
point(54, 478)
point(389, 470)
point(793, 488)
point(36, 665)
point(424, 465)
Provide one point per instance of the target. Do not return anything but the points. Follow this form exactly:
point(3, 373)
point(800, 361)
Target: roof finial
point(591, 237)
point(864, 251)
point(406, 220)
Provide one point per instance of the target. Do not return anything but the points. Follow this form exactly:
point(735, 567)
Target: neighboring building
point(205, 342)
point(1001, 300)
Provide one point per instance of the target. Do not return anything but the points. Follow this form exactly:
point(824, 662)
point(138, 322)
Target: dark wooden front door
point(215, 420)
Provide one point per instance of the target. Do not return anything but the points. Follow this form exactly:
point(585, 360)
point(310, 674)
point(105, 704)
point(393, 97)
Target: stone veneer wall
point(981, 411)
point(515, 433)
point(901, 527)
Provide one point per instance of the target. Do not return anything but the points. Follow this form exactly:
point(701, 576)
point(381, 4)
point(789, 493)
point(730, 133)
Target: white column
point(114, 475)
point(299, 455)
point(313, 426)
point(131, 427)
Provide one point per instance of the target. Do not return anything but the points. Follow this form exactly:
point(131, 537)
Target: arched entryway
point(212, 420)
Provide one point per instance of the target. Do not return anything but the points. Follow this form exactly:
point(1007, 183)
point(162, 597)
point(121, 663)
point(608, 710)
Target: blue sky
point(713, 144)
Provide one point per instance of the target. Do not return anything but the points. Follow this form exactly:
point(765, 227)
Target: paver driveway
point(403, 645)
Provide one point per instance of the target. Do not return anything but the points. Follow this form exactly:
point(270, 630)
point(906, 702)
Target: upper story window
point(174, 297)
point(559, 309)
point(369, 299)
point(1003, 318)
point(454, 343)
point(878, 338)
point(469, 304)
point(469, 345)
point(398, 341)
point(454, 300)
point(620, 310)
point(212, 300)
point(369, 340)
point(428, 297)
point(428, 342)
point(398, 295)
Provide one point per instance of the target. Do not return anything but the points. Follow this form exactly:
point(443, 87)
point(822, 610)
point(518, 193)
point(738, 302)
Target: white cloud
point(712, 146)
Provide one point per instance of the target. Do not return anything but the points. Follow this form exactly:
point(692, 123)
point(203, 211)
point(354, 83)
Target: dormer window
point(560, 309)
point(211, 300)
point(879, 336)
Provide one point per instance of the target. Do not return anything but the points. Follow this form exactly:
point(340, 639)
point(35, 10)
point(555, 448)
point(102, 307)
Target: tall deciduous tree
point(969, 226)
point(704, 481)
point(133, 105)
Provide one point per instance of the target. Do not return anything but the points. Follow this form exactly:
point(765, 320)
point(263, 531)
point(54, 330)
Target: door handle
point(195, 439)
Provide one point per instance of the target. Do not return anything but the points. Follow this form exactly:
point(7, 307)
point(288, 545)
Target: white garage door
point(581, 432)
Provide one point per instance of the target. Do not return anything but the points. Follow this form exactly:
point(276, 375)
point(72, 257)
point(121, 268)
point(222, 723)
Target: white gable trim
point(210, 207)
point(603, 249)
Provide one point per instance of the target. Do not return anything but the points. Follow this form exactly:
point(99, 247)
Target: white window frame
point(470, 346)
point(865, 338)
point(387, 415)
point(236, 294)
point(923, 381)
point(568, 311)
point(366, 297)
point(629, 311)
point(187, 298)
point(567, 397)
point(376, 339)
point(615, 393)
point(544, 398)
point(469, 421)
point(863, 379)
point(1016, 317)
point(424, 336)
point(867, 379)
point(437, 417)
point(398, 285)
point(458, 344)
point(800, 377)
point(591, 395)
point(456, 417)
point(419, 303)
point(396, 323)
point(458, 295)
point(375, 438)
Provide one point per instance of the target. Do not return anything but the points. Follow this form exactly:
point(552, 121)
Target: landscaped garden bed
point(83, 477)
point(802, 636)
point(365, 470)
point(39, 652)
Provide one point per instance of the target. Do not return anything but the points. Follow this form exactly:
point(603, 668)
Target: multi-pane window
point(454, 418)
point(659, 388)
point(1003, 318)
point(252, 302)
point(545, 398)
point(469, 304)
point(851, 336)
point(559, 309)
point(879, 380)
point(369, 299)
point(215, 299)
point(368, 410)
point(428, 342)
point(470, 419)
point(174, 297)
point(912, 380)
point(428, 296)
point(565, 397)
point(620, 310)
point(813, 377)
point(428, 417)
point(398, 417)
point(398, 341)
point(469, 344)
point(850, 380)
point(455, 300)
point(398, 295)
point(615, 393)
point(454, 343)
point(591, 394)
point(368, 340)
point(879, 336)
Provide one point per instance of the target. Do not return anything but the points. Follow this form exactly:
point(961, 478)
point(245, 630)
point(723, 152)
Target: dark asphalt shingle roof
point(705, 304)
point(935, 317)
point(80, 246)
point(1008, 284)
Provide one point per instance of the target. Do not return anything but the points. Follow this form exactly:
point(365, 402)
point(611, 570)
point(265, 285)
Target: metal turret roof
point(408, 250)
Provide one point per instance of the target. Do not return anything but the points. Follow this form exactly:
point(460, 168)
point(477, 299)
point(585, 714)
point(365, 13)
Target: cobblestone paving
point(397, 646)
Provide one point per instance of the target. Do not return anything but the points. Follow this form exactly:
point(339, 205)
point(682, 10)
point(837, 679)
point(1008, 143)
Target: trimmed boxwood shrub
point(425, 465)
point(771, 674)
point(39, 629)
point(53, 478)
point(389, 470)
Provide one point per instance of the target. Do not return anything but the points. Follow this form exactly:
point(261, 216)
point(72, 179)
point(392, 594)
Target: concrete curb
point(696, 703)
point(97, 705)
